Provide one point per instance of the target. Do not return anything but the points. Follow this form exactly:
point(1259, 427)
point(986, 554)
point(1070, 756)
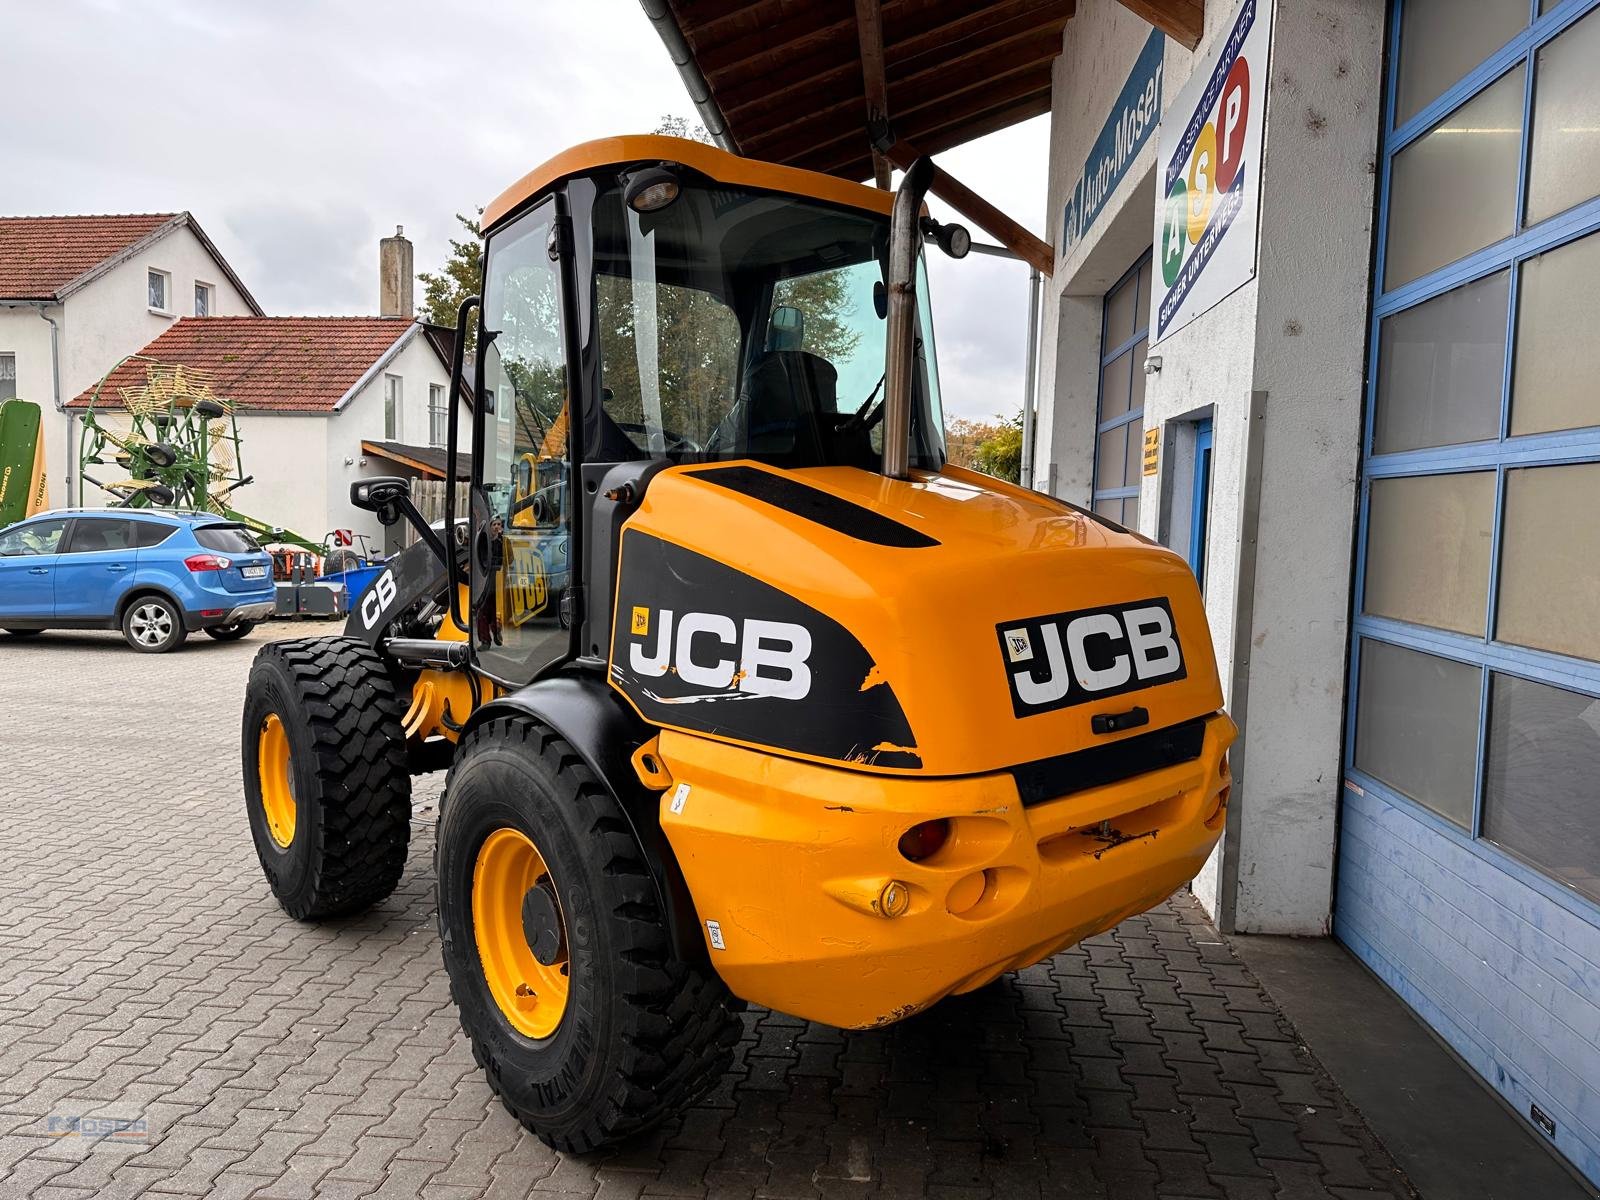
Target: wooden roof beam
point(869, 27)
point(1013, 236)
point(1181, 20)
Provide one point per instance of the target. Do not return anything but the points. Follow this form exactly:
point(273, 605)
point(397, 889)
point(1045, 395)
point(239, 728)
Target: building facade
point(79, 293)
point(1320, 329)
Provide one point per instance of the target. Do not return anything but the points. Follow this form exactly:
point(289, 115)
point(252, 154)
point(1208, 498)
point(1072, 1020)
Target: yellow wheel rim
point(531, 994)
point(277, 781)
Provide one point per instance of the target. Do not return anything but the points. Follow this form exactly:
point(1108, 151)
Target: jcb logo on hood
point(1071, 658)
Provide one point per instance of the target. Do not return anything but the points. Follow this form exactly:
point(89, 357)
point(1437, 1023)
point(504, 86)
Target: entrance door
point(522, 505)
point(1200, 501)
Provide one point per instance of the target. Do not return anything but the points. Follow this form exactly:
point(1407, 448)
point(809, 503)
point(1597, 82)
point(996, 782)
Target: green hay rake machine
point(175, 442)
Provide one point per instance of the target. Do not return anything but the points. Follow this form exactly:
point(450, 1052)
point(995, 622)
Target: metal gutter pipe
point(1030, 384)
point(660, 14)
point(55, 385)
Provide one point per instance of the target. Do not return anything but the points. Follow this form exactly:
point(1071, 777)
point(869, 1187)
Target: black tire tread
point(678, 1021)
point(347, 701)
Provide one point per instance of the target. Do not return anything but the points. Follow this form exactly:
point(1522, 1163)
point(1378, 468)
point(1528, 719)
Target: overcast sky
point(299, 132)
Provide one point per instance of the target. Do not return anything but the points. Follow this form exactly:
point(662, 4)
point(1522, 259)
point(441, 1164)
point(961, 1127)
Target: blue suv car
point(155, 574)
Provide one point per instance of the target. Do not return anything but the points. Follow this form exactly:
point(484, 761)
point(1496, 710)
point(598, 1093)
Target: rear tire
point(640, 1033)
point(230, 633)
point(325, 780)
point(153, 625)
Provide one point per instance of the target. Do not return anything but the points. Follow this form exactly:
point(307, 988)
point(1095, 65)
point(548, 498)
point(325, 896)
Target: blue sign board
point(1128, 127)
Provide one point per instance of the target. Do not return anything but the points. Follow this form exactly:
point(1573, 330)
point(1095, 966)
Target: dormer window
point(160, 288)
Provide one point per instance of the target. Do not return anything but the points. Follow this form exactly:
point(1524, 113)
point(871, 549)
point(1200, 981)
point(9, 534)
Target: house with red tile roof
point(319, 401)
point(77, 293)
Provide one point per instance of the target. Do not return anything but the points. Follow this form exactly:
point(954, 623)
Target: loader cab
point(665, 304)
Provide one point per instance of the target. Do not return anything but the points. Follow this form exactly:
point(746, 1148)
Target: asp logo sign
point(1075, 657)
point(729, 659)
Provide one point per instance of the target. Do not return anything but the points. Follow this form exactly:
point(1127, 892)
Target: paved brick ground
point(146, 974)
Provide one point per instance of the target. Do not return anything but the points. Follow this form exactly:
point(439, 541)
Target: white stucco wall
point(101, 323)
point(1295, 333)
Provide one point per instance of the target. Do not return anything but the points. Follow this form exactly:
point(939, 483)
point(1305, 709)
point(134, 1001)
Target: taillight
point(207, 562)
point(925, 840)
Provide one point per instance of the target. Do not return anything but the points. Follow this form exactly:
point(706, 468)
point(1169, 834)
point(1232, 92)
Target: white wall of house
point(99, 324)
point(1288, 345)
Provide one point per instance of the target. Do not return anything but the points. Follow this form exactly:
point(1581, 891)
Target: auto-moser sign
point(1128, 127)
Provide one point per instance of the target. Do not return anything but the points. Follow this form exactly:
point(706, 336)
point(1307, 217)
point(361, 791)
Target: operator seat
point(788, 394)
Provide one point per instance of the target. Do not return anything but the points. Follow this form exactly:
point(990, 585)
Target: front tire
point(326, 785)
point(153, 625)
point(587, 1024)
point(230, 633)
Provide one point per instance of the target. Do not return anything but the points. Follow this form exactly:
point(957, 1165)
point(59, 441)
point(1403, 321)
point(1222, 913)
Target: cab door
point(522, 576)
point(93, 568)
point(28, 555)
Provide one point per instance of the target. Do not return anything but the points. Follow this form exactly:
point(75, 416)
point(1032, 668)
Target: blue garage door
point(1469, 873)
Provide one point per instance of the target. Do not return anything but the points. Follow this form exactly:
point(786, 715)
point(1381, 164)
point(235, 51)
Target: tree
point(963, 436)
point(1000, 455)
point(460, 277)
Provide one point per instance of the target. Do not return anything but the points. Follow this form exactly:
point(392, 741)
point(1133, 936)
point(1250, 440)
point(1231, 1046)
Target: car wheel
point(153, 625)
point(24, 633)
point(230, 633)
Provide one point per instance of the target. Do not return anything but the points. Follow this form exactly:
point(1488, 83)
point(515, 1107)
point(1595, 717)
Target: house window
point(438, 416)
point(8, 376)
point(1119, 423)
point(159, 285)
point(392, 400)
point(202, 299)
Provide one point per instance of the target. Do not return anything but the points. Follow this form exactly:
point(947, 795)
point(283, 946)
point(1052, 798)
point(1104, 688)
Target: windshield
point(737, 323)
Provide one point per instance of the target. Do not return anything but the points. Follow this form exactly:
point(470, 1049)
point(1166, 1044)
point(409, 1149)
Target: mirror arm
point(452, 425)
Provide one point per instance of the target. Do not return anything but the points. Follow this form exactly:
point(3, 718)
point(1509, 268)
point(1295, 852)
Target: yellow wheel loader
point(746, 695)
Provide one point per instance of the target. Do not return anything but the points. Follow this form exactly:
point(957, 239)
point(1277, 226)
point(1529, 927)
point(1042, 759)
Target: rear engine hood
point(948, 624)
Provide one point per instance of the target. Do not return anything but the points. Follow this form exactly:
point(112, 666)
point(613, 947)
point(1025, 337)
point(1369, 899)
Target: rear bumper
point(256, 610)
point(790, 860)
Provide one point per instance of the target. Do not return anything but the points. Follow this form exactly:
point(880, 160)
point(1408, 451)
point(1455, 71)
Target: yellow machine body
point(826, 658)
point(792, 854)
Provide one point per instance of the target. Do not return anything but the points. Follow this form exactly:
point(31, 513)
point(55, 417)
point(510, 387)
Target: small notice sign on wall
point(1152, 450)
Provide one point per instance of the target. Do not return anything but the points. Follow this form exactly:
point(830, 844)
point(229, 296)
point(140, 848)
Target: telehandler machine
point(746, 694)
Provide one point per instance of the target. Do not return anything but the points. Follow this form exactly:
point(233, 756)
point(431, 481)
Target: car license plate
point(253, 572)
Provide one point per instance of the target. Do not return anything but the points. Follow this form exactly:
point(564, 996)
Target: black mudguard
point(578, 705)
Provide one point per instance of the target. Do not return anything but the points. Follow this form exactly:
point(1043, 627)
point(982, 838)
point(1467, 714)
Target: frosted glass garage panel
point(1115, 388)
point(1564, 153)
point(1454, 189)
point(1428, 539)
point(1417, 726)
point(1558, 354)
point(1440, 367)
point(1438, 48)
point(1550, 564)
point(1539, 795)
point(1113, 446)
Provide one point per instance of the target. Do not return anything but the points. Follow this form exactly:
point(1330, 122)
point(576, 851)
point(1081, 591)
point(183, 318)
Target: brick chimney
point(396, 297)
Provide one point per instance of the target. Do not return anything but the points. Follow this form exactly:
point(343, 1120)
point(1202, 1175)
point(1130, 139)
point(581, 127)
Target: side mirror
point(373, 495)
point(786, 330)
